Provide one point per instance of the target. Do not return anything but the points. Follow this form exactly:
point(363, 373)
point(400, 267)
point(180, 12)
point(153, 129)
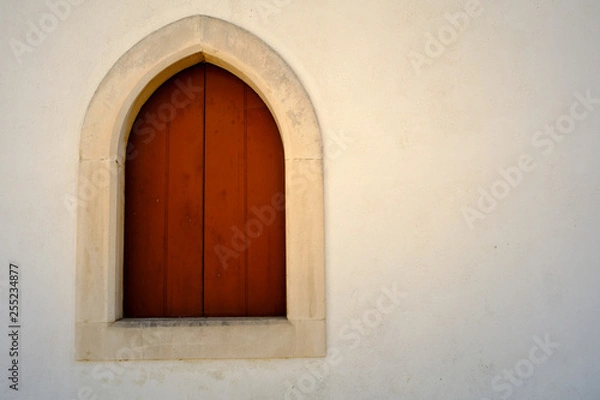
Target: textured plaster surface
point(421, 302)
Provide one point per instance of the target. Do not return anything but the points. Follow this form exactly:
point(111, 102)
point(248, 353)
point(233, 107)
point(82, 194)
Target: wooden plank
point(183, 113)
point(145, 184)
point(266, 216)
point(224, 242)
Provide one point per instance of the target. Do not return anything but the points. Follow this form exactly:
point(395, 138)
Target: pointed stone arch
point(101, 333)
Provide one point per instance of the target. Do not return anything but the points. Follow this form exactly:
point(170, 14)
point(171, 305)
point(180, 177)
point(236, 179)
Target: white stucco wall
point(493, 298)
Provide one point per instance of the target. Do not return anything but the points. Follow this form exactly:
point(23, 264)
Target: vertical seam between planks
point(246, 277)
point(203, 266)
point(166, 227)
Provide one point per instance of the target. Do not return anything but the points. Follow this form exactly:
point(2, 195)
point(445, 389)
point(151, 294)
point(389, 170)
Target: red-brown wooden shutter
point(204, 199)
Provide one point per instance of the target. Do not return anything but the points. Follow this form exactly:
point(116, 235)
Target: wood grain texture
point(266, 211)
point(204, 217)
point(225, 282)
point(185, 188)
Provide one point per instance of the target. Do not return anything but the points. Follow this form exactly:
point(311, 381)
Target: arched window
point(112, 140)
point(204, 202)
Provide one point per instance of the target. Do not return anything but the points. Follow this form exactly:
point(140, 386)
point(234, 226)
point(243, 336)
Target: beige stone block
point(311, 338)
point(305, 239)
point(179, 45)
point(131, 81)
point(269, 75)
point(99, 196)
point(200, 339)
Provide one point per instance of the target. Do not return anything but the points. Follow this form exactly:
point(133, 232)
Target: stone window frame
point(101, 332)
